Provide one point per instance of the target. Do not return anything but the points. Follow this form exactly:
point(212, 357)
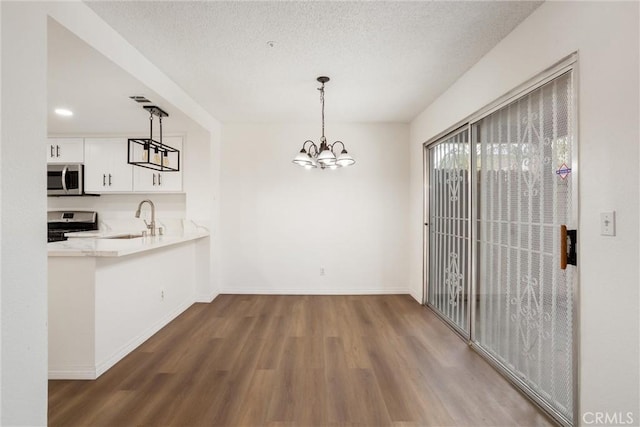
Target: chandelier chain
point(321, 89)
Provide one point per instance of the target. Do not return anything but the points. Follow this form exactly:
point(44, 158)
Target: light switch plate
point(608, 224)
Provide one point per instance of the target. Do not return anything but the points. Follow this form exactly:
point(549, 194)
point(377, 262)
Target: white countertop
point(109, 247)
point(99, 234)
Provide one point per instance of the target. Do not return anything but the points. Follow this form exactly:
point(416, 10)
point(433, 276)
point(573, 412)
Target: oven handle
point(64, 179)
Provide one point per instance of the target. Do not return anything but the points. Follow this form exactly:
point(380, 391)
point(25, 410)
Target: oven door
point(64, 180)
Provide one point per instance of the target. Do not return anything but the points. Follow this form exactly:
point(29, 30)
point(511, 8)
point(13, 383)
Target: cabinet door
point(152, 181)
point(65, 150)
point(105, 168)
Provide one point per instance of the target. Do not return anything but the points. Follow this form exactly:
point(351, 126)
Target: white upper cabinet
point(105, 167)
point(65, 150)
point(153, 181)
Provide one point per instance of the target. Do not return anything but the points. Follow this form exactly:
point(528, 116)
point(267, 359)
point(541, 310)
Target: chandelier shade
point(311, 156)
point(345, 159)
point(302, 159)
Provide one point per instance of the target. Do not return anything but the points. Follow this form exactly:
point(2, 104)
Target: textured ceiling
point(387, 60)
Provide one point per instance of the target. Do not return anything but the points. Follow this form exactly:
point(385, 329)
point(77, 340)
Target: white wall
point(606, 36)
point(122, 206)
point(22, 212)
point(23, 334)
point(282, 223)
point(1, 261)
point(202, 183)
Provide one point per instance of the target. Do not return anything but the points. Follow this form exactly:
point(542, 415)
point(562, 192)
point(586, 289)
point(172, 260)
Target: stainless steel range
point(61, 222)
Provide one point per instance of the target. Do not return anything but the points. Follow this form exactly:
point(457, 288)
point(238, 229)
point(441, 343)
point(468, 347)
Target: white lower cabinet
point(105, 166)
point(102, 307)
point(153, 181)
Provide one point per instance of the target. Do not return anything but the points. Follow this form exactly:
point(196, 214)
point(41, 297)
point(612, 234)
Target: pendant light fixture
point(151, 154)
point(311, 156)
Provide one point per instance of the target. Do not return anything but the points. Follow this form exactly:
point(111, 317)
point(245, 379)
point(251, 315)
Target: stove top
point(61, 222)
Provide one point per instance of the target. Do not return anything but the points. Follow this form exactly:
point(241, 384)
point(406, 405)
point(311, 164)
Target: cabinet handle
point(51, 150)
point(57, 151)
point(104, 180)
point(109, 180)
point(159, 181)
point(154, 179)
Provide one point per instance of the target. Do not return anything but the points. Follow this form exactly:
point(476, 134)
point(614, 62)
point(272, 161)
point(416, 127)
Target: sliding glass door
point(493, 237)
point(524, 316)
point(449, 229)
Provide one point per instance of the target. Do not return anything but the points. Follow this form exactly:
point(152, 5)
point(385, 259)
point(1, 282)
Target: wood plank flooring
point(267, 360)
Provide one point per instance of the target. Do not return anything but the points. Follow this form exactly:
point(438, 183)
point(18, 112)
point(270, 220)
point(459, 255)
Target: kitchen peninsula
point(108, 295)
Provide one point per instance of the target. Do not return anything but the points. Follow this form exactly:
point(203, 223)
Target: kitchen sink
point(126, 236)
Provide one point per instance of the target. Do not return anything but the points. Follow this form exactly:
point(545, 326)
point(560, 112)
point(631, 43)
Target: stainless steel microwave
point(65, 180)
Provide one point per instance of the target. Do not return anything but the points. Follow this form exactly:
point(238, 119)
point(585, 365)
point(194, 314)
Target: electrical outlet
point(608, 224)
point(322, 271)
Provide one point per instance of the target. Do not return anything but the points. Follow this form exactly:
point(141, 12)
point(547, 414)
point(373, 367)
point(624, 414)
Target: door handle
point(159, 181)
point(109, 180)
point(51, 151)
point(568, 241)
point(64, 179)
point(104, 180)
point(154, 179)
point(57, 151)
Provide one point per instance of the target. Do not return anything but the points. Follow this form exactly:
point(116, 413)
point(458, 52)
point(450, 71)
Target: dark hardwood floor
point(265, 360)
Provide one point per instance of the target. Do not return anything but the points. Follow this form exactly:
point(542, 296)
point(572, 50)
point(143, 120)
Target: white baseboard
point(102, 367)
point(306, 291)
point(207, 298)
point(416, 296)
point(73, 373)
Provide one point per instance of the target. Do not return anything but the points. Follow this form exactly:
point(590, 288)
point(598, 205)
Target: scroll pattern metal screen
point(524, 315)
point(449, 229)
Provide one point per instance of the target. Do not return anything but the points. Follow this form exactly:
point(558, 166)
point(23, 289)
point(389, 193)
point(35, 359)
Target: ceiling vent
point(140, 99)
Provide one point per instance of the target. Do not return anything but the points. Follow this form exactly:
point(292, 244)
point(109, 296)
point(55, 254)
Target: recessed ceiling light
point(63, 112)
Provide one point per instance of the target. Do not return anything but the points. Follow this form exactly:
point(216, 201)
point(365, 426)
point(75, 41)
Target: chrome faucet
point(151, 226)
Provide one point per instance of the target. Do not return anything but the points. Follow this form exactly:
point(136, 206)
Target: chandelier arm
point(304, 144)
point(338, 142)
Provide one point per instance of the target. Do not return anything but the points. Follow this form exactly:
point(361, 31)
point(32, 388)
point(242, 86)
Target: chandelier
point(310, 156)
point(151, 154)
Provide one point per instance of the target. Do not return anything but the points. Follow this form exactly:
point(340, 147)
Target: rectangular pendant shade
point(151, 154)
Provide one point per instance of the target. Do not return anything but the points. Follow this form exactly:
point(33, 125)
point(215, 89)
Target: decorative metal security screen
point(524, 314)
point(448, 284)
